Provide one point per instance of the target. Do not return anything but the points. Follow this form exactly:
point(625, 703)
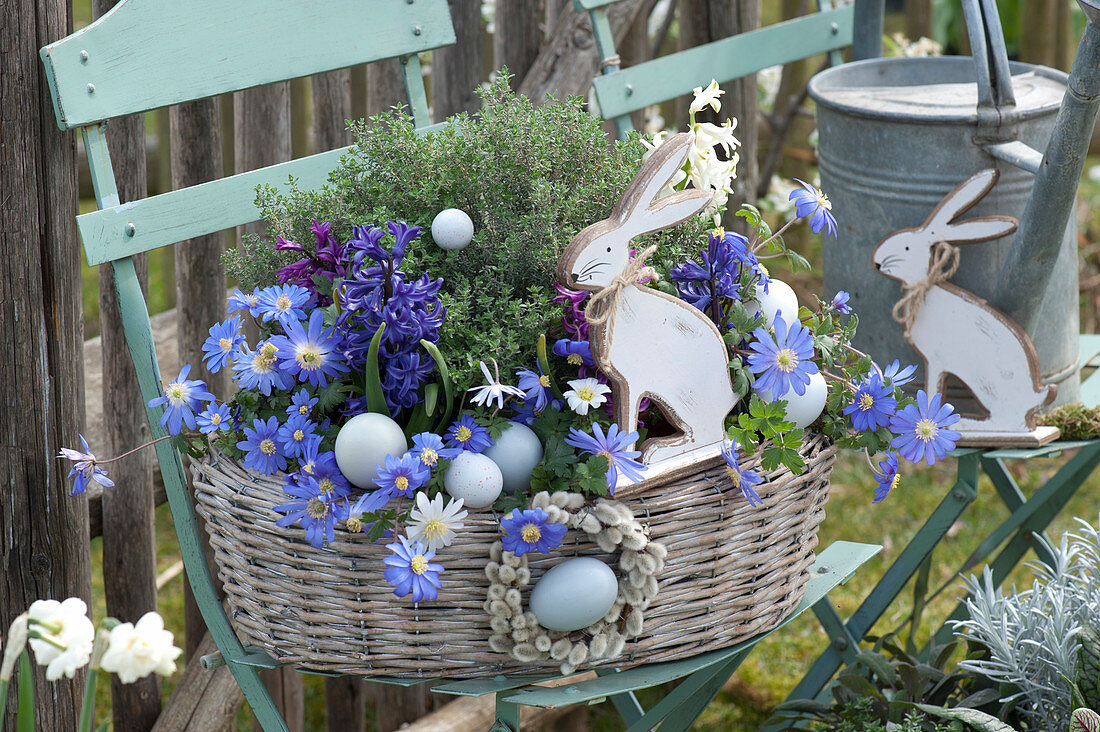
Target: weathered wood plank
point(129, 544)
point(128, 52)
point(43, 532)
point(345, 704)
point(456, 70)
point(331, 95)
point(385, 86)
point(516, 39)
point(202, 700)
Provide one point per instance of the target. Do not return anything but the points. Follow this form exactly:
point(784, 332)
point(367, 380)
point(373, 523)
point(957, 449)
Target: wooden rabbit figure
point(959, 333)
point(652, 345)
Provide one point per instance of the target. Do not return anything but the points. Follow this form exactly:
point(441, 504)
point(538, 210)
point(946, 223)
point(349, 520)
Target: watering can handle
point(987, 44)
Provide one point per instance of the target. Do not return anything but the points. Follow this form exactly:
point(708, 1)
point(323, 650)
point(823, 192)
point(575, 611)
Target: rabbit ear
point(979, 229)
point(959, 200)
point(640, 205)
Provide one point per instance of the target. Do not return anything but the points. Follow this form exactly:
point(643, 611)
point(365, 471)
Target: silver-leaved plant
point(1031, 635)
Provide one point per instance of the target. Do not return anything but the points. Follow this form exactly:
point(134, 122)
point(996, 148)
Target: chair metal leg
point(258, 697)
point(679, 710)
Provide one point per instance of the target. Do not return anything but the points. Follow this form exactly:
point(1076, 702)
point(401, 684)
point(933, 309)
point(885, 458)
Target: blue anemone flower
point(410, 570)
point(260, 369)
point(922, 429)
point(248, 303)
point(214, 418)
point(310, 353)
point(428, 449)
point(467, 434)
point(402, 476)
point(261, 447)
point(528, 531)
point(576, 353)
point(614, 447)
point(314, 510)
point(182, 398)
point(840, 303)
point(285, 303)
point(535, 387)
point(889, 478)
point(872, 405)
point(894, 375)
point(84, 468)
point(783, 362)
point(741, 479)
point(301, 403)
point(222, 343)
point(295, 434)
point(810, 201)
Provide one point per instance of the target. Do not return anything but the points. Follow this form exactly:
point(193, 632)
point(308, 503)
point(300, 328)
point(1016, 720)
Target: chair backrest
point(622, 91)
point(146, 54)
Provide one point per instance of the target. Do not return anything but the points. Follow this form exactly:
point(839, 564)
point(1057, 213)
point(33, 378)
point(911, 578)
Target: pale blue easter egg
point(363, 444)
point(779, 298)
point(475, 479)
point(574, 594)
point(803, 409)
point(516, 452)
point(452, 229)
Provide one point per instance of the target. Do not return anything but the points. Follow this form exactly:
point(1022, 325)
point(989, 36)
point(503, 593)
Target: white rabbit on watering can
point(649, 344)
point(955, 331)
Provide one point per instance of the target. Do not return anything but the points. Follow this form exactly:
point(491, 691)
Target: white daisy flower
point(433, 524)
point(493, 390)
point(585, 394)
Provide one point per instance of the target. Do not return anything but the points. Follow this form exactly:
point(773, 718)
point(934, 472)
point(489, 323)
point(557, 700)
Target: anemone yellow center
point(463, 433)
point(866, 401)
point(719, 232)
point(607, 456)
point(267, 447)
point(574, 359)
point(926, 430)
point(735, 476)
point(307, 468)
point(325, 484)
point(261, 363)
point(215, 418)
point(418, 564)
point(786, 360)
point(175, 391)
point(895, 481)
point(544, 381)
point(225, 344)
point(823, 201)
point(354, 524)
point(428, 456)
point(283, 303)
point(309, 358)
point(299, 435)
point(303, 409)
point(586, 393)
point(402, 483)
point(434, 529)
point(269, 350)
point(316, 508)
point(530, 533)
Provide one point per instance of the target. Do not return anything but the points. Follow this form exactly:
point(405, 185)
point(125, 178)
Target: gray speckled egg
point(452, 229)
point(475, 479)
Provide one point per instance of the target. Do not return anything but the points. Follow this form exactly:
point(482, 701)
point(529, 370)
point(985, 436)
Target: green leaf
point(544, 364)
point(372, 388)
point(444, 379)
point(558, 457)
point(1085, 720)
point(976, 719)
point(24, 719)
point(431, 399)
point(332, 396)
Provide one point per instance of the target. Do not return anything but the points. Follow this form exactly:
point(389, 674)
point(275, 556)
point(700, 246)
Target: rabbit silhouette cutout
point(653, 345)
point(959, 333)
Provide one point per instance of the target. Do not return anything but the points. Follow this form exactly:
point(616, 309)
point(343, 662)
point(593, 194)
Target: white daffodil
point(585, 394)
point(493, 389)
point(707, 97)
point(68, 635)
point(433, 524)
point(135, 651)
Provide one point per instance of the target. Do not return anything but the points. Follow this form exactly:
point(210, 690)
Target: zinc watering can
point(897, 134)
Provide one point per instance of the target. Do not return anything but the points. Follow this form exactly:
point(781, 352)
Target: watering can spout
point(1031, 259)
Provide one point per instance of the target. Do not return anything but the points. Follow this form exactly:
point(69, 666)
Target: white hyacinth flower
point(433, 524)
point(708, 135)
point(585, 394)
point(135, 651)
point(707, 97)
point(493, 389)
point(70, 636)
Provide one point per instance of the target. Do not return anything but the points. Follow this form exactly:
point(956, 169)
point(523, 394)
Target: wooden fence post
point(456, 70)
point(516, 38)
point(385, 87)
point(43, 532)
point(129, 542)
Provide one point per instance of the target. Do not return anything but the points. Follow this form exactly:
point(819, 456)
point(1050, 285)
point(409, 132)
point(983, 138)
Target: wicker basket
point(732, 572)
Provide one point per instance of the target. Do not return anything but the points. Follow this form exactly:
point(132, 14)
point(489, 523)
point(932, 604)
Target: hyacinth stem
point(3, 696)
point(87, 707)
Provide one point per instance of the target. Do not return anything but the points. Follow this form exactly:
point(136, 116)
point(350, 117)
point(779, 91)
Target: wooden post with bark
point(44, 551)
point(456, 70)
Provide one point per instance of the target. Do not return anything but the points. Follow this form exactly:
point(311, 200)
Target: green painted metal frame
point(1027, 517)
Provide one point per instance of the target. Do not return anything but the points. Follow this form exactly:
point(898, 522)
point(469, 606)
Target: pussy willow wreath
point(614, 528)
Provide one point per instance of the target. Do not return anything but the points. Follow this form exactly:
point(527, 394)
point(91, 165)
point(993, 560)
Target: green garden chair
point(148, 54)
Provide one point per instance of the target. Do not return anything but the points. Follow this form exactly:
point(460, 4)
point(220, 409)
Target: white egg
point(516, 452)
point(574, 594)
point(475, 479)
point(452, 228)
point(804, 409)
point(363, 444)
point(779, 298)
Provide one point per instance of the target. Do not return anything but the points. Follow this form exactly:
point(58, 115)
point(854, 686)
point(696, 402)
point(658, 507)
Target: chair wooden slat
point(146, 54)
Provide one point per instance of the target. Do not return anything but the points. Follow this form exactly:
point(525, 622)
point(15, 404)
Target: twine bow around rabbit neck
point(603, 305)
point(944, 264)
